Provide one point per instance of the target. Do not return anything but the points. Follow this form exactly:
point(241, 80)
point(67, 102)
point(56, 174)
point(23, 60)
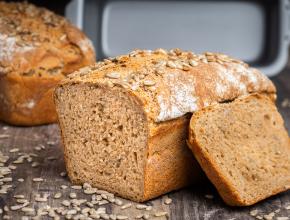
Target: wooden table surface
point(196, 202)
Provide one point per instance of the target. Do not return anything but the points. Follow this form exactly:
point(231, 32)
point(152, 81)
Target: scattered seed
point(76, 187)
point(20, 180)
point(168, 201)
point(149, 208)
point(141, 206)
point(3, 136)
point(19, 196)
point(208, 196)
point(146, 216)
point(73, 195)
point(128, 205)
point(66, 203)
point(57, 195)
point(113, 75)
point(14, 150)
point(254, 212)
point(171, 64)
point(122, 217)
point(282, 218)
point(287, 207)
point(63, 174)
point(118, 202)
point(270, 216)
point(38, 179)
point(140, 216)
point(160, 214)
point(35, 164)
point(63, 186)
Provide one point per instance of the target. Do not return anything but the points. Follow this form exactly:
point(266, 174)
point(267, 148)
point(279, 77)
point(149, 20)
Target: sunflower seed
point(149, 83)
point(63, 174)
point(128, 205)
point(208, 196)
point(168, 201)
point(20, 180)
point(140, 206)
point(19, 196)
point(73, 195)
point(193, 63)
point(113, 75)
point(38, 179)
point(66, 203)
point(160, 214)
point(254, 212)
point(57, 195)
point(121, 217)
point(14, 150)
point(118, 202)
point(76, 187)
point(171, 64)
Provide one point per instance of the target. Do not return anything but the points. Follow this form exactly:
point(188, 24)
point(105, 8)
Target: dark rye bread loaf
point(124, 121)
point(37, 49)
point(243, 148)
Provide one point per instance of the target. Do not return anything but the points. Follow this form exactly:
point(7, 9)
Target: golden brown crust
point(38, 48)
point(174, 83)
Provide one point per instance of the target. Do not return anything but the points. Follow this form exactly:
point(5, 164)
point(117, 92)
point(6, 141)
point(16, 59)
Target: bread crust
point(38, 49)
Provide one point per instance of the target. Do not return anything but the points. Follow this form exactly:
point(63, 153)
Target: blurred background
point(254, 31)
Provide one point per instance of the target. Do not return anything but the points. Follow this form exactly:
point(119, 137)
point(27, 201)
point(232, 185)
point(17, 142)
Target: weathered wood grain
point(189, 203)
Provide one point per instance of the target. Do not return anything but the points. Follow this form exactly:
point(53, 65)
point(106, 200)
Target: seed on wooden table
point(40, 199)
point(149, 208)
point(71, 212)
point(140, 206)
point(113, 75)
point(51, 158)
point(140, 216)
point(38, 179)
point(103, 202)
point(63, 186)
point(63, 174)
point(104, 216)
point(7, 179)
point(113, 217)
point(270, 216)
point(168, 201)
point(128, 205)
point(5, 217)
point(282, 218)
point(1, 211)
point(171, 64)
point(146, 216)
point(37, 148)
point(76, 187)
point(12, 167)
point(160, 214)
point(121, 217)
point(118, 202)
point(2, 136)
point(35, 164)
point(19, 196)
point(28, 210)
point(73, 195)
point(287, 207)
point(21, 201)
point(20, 180)
point(254, 212)
point(65, 203)
point(14, 150)
point(57, 195)
point(208, 196)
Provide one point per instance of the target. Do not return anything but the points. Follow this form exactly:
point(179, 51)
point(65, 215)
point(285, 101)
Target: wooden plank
point(194, 202)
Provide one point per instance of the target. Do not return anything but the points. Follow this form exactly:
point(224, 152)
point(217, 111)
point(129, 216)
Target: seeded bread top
point(171, 84)
point(34, 40)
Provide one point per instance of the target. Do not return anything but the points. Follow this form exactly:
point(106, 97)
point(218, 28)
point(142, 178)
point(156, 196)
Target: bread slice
point(243, 148)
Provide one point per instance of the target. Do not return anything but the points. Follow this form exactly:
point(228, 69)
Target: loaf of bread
point(243, 147)
point(37, 49)
point(124, 121)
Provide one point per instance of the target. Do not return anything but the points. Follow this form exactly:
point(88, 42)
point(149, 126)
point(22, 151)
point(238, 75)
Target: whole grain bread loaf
point(124, 121)
point(243, 147)
point(37, 49)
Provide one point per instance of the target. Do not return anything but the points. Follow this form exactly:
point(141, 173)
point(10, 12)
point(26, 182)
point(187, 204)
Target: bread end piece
point(244, 149)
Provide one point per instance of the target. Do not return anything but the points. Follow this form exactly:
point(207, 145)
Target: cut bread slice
point(244, 149)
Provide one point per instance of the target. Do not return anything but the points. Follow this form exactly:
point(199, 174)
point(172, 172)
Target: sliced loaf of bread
point(243, 148)
point(124, 121)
